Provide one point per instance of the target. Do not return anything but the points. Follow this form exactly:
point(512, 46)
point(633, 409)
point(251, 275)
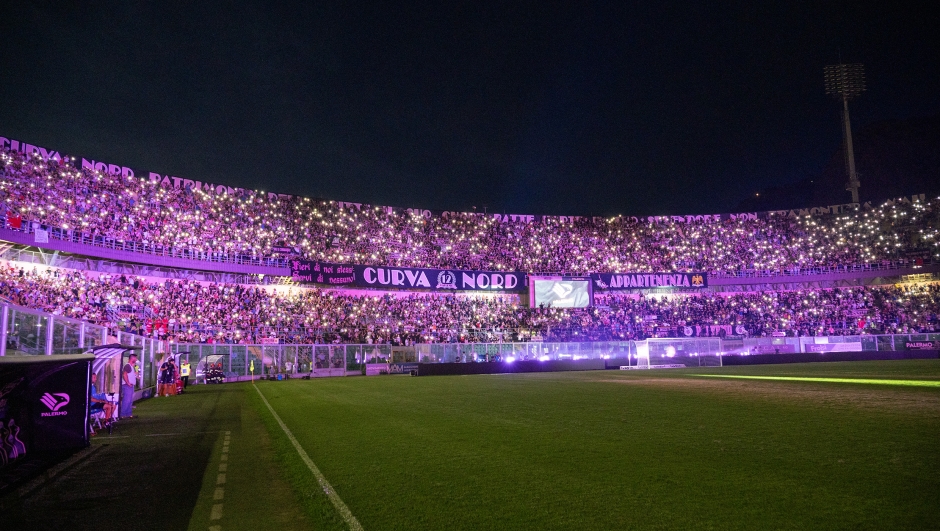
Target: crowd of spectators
point(109, 207)
point(250, 224)
point(190, 311)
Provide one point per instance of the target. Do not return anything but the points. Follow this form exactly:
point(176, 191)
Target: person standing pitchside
point(184, 373)
point(128, 382)
point(166, 378)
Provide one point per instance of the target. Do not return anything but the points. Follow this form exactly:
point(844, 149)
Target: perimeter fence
point(28, 332)
point(246, 361)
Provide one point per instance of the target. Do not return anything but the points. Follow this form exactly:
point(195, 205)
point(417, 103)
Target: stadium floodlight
point(845, 82)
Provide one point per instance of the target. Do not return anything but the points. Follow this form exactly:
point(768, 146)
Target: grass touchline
point(321, 479)
point(910, 383)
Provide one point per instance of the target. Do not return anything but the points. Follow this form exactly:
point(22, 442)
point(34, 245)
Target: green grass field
point(621, 450)
point(672, 449)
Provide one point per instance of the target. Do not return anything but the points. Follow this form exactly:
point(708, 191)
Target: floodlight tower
point(844, 82)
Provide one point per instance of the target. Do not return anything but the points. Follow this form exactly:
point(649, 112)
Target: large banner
point(361, 276)
point(618, 281)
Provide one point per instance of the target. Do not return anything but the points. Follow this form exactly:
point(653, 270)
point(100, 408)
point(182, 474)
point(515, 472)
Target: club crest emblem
point(446, 280)
point(54, 402)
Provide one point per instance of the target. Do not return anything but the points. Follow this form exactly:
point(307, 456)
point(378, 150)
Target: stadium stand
point(248, 228)
point(244, 314)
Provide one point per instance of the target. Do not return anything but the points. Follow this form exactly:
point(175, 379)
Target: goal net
point(669, 353)
point(675, 353)
point(642, 355)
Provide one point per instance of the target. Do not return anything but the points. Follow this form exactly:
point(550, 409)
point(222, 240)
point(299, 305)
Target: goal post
point(642, 355)
point(684, 352)
point(675, 353)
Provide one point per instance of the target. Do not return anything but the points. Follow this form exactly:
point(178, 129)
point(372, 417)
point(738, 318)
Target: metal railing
point(104, 242)
point(28, 332)
point(246, 361)
point(438, 335)
point(73, 236)
point(818, 270)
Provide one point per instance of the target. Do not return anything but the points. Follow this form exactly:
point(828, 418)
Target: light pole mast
point(844, 82)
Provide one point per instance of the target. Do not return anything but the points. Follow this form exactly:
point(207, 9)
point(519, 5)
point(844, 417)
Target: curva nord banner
point(361, 276)
point(618, 281)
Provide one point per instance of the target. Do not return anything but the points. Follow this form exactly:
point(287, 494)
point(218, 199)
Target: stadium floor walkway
point(201, 460)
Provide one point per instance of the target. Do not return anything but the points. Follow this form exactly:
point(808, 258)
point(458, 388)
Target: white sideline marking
point(187, 434)
point(219, 493)
point(324, 484)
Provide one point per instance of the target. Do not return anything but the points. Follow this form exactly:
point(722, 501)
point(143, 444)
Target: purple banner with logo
point(43, 405)
point(384, 277)
point(619, 281)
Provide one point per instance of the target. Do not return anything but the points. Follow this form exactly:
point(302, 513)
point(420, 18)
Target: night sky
point(652, 108)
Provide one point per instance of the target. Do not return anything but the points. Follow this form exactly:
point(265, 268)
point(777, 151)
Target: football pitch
point(810, 446)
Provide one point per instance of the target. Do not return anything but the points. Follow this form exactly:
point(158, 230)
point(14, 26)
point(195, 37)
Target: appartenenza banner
point(618, 281)
point(361, 276)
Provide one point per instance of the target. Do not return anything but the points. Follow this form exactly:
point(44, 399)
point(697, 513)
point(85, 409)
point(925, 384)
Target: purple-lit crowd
point(247, 223)
point(215, 226)
point(190, 311)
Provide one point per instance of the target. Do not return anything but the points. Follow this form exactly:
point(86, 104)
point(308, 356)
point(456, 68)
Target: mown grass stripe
point(909, 383)
point(338, 503)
